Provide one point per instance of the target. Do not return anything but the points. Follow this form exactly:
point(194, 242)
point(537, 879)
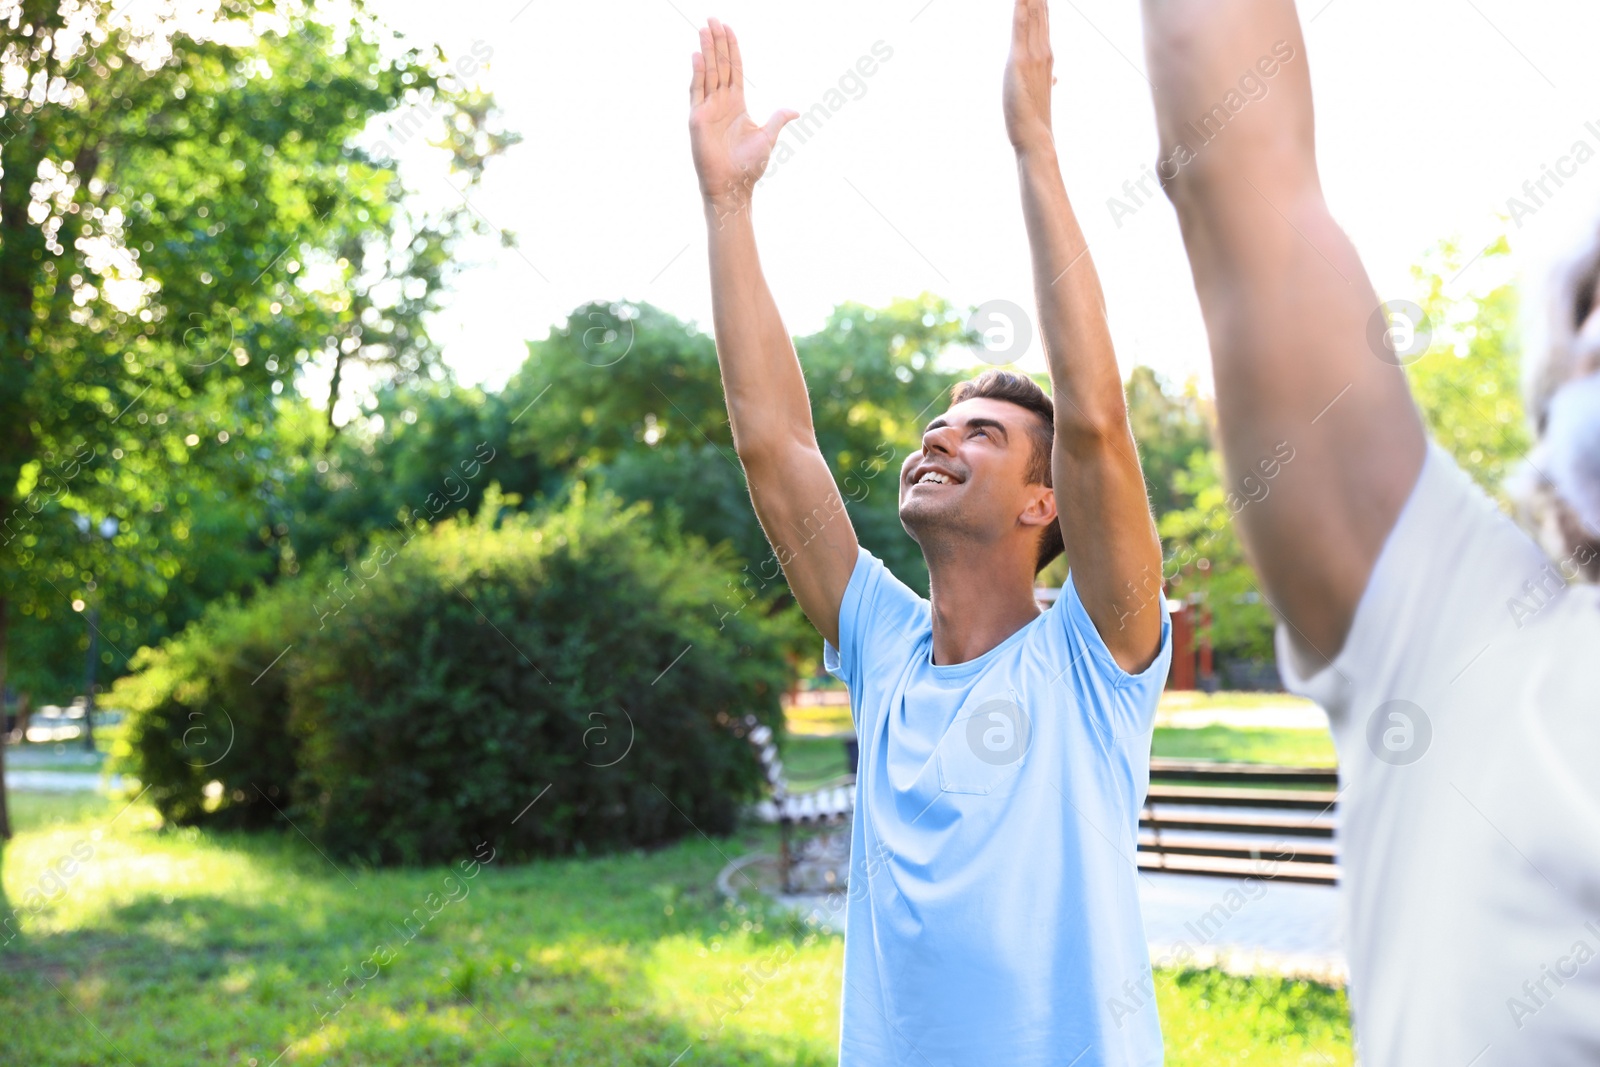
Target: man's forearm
point(1101, 499)
point(1085, 383)
point(767, 400)
point(794, 493)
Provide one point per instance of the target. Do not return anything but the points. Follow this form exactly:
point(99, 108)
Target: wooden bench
point(1227, 820)
point(829, 807)
point(1202, 817)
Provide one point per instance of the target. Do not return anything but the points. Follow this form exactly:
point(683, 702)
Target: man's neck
point(976, 605)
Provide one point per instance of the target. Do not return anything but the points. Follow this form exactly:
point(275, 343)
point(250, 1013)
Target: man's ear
point(1041, 507)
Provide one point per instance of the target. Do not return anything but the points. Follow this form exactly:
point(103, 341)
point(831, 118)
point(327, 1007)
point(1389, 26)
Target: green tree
point(396, 463)
point(1468, 383)
point(186, 222)
point(629, 397)
point(1205, 561)
point(877, 376)
point(1170, 426)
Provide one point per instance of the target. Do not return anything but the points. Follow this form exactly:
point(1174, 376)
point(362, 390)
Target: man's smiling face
point(969, 481)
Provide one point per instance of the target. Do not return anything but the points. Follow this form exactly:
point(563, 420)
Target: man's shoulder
point(1457, 585)
point(882, 589)
point(888, 617)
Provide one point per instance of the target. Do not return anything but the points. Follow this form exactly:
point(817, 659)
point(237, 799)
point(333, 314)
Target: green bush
point(210, 704)
point(470, 669)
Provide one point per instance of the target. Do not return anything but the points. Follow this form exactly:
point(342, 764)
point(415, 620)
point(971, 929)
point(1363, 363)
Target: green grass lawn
point(808, 761)
point(1293, 747)
point(817, 720)
point(183, 947)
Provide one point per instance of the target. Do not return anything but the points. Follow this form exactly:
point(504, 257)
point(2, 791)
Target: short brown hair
point(1023, 391)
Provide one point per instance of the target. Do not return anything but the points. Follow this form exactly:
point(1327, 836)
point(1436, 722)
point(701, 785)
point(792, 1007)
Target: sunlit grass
point(817, 721)
point(809, 761)
point(187, 947)
point(1290, 747)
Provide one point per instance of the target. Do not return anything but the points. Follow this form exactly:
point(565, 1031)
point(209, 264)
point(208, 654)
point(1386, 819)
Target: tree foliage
point(188, 222)
point(1170, 426)
point(629, 397)
point(1468, 382)
point(1466, 386)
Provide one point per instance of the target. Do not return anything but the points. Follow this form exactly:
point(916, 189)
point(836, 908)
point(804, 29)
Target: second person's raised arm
point(1293, 320)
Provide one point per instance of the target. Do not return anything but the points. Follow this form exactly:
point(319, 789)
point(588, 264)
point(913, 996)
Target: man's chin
point(922, 515)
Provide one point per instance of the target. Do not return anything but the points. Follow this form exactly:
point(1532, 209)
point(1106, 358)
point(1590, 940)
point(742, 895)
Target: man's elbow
point(1087, 430)
point(765, 449)
point(1201, 168)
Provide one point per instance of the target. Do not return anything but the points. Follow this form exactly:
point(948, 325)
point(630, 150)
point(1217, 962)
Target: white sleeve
point(1454, 574)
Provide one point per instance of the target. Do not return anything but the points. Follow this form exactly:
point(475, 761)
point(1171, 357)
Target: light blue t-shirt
point(993, 913)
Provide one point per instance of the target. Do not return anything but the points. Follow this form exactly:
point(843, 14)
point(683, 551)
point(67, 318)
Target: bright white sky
point(1431, 114)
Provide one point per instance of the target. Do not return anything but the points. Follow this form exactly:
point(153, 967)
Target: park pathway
point(1242, 925)
point(59, 781)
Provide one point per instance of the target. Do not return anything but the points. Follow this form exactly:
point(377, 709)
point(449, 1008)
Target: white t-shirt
point(1465, 706)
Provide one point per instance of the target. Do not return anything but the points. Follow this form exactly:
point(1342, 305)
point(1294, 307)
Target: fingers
point(718, 65)
point(709, 59)
point(1039, 26)
point(719, 35)
point(1030, 26)
point(735, 61)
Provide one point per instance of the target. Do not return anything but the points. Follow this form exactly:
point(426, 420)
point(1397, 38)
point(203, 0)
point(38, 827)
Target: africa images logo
point(998, 732)
point(1399, 732)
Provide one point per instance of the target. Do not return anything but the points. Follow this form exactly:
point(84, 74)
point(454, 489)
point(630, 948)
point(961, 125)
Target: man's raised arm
point(794, 493)
point(1297, 338)
point(1104, 509)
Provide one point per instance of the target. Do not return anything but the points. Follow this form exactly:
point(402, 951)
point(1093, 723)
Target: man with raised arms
point(1004, 750)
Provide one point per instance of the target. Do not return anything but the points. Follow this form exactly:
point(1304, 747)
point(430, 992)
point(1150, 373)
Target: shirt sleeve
point(1454, 575)
point(1121, 704)
point(880, 620)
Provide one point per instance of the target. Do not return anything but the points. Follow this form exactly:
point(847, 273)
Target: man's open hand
point(730, 150)
point(1029, 77)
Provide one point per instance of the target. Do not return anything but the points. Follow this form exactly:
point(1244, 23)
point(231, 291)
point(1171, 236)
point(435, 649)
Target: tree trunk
point(333, 390)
